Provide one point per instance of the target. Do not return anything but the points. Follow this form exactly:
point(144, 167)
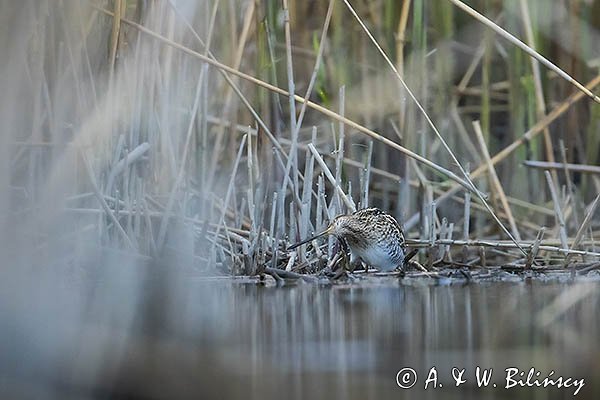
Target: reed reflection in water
point(225, 339)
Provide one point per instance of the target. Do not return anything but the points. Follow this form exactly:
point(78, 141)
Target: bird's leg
point(343, 253)
point(354, 261)
point(408, 257)
point(333, 264)
point(341, 257)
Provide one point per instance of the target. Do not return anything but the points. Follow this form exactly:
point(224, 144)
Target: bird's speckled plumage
point(371, 235)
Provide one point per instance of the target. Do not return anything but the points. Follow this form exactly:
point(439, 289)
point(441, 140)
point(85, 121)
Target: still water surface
point(221, 338)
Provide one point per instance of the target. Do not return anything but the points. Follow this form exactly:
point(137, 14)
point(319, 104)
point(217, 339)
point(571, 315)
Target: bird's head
point(339, 227)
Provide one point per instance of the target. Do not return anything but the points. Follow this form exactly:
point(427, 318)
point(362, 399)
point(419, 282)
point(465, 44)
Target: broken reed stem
point(229, 188)
point(511, 38)
point(563, 156)
point(535, 248)
point(560, 220)
point(102, 201)
point(496, 180)
point(571, 194)
point(586, 222)
point(125, 162)
point(463, 134)
point(331, 178)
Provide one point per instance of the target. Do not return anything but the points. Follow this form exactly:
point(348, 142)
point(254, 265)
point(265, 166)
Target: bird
point(371, 234)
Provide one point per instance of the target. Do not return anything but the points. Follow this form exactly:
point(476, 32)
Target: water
point(81, 318)
point(223, 338)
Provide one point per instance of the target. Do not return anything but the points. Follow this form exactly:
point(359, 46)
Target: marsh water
point(194, 337)
point(117, 147)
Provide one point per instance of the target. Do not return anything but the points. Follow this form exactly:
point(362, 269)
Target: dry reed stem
point(584, 168)
point(180, 174)
point(511, 38)
point(496, 180)
point(540, 103)
point(364, 200)
point(464, 82)
point(318, 60)
point(115, 33)
point(401, 37)
point(251, 186)
point(586, 222)
point(481, 92)
point(331, 178)
point(482, 196)
point(500, 244)
point(467, 215)
point(125, 162)
point(275, 89)
point(400, 43)
point(208, 53)
point(535, 130)
point(290, 69)
point(292, 161)
point(560, 219)
point(417, 103)
point(550, 243)
point(340, 147)
point(535, 248)
point(563, 156)
point(237, 60)
point(221, 221)
point(103, 204)
point(463, 134)
point(304, 105)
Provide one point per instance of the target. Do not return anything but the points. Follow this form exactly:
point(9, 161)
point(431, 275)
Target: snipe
point(371, 235)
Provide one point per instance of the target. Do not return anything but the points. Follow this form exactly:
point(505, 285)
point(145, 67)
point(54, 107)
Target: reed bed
point(211, 136)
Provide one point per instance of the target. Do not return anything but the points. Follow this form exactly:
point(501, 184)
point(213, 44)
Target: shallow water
point(223, 338)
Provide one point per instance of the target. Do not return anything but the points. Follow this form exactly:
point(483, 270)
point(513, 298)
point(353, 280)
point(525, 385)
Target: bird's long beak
point(325, 232)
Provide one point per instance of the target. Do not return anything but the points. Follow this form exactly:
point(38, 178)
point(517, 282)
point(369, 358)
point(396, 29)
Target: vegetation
point(166, 130)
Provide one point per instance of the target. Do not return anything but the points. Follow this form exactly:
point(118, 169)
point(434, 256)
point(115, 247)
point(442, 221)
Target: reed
point(245, 126)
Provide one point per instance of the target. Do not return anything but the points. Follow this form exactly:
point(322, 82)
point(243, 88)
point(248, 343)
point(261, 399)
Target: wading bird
point(371, 235)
